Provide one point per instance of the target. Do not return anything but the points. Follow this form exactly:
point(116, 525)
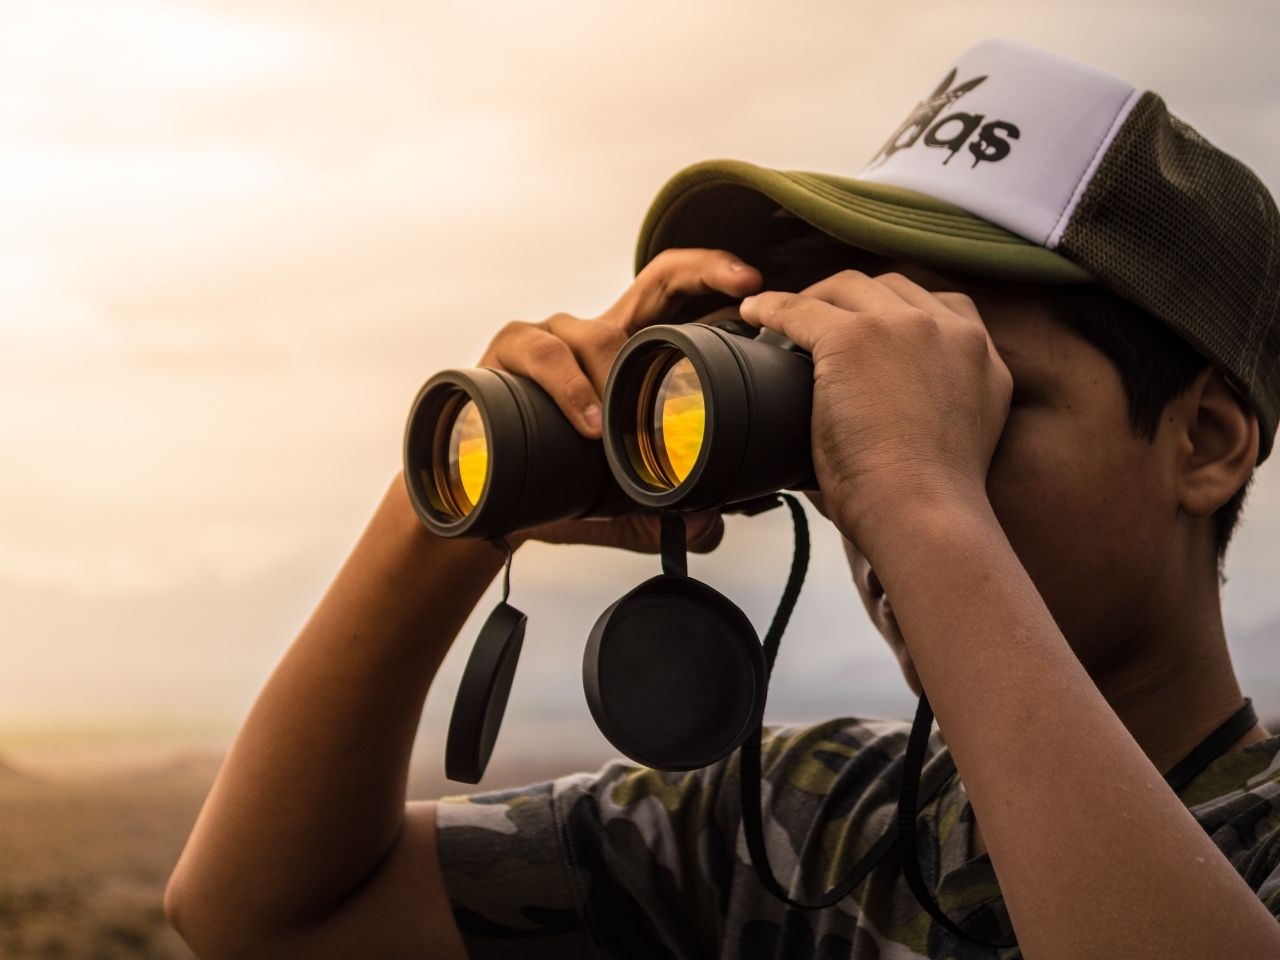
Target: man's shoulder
point(822, 751)
point(805, 757)
point(810, 756)
point(1236, 799)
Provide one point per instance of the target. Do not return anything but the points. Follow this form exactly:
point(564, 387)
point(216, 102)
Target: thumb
point(703, 530)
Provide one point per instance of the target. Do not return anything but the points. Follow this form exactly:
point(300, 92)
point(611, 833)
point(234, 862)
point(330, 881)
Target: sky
point(236, 237)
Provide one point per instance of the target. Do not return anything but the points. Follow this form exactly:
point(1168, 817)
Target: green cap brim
point(724, 204)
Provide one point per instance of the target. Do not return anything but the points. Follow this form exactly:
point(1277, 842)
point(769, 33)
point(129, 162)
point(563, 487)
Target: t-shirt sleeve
point(1237, 801)
point(626, 862)
point(505, 875)
point(1261, 869)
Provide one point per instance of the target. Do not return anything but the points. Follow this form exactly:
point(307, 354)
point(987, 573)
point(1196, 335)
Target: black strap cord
point(1212, 747)
point(749, 754)
point(502, 546)
point(500, 543)
point(1186, 770)
point(795, 579)
point(675, 559)
point(908, 811)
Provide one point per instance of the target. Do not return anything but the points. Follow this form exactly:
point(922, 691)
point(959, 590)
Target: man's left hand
point(910, 395)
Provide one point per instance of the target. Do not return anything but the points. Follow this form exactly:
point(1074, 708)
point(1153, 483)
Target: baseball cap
point(1027, 166)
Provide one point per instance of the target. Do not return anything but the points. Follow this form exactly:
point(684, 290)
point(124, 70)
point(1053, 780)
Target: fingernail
point(738, 265)
point(746, 303)
point(592, 415)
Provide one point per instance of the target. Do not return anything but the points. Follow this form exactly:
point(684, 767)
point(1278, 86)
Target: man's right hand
point(570, 358)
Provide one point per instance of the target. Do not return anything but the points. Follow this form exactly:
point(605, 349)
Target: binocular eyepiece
point(696, 416)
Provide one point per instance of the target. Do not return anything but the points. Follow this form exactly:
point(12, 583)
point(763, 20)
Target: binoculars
point(697, 415)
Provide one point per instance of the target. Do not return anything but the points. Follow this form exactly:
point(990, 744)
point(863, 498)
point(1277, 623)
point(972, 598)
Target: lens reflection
point(468, 459)
point(679, 421)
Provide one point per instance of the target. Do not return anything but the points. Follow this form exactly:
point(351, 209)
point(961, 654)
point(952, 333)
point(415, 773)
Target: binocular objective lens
point(467, 460)
point(676, 422)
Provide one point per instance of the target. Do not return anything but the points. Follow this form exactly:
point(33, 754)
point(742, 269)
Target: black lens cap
point(482, 694)
point(674, 674)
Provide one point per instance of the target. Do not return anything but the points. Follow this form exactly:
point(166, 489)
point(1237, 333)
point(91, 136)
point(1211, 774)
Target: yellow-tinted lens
point(679, 420)
point(468, 458)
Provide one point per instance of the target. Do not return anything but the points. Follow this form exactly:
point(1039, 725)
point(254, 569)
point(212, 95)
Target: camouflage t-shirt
point(632, 862)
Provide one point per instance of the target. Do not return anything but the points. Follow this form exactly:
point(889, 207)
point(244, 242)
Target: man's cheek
point(1030, 509)
point(1028, 475)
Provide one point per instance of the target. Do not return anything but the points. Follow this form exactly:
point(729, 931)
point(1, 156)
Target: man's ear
point(1218, 440)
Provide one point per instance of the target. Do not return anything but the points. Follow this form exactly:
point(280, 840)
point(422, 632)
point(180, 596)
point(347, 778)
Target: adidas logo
point(988, 142)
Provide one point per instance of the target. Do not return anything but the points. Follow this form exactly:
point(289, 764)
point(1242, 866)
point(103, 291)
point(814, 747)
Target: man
point(1052, 560)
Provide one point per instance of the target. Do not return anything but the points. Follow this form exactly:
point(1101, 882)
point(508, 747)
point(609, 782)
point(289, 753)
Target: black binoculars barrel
point(757, 400)
point(695, 417)
point(537, 467)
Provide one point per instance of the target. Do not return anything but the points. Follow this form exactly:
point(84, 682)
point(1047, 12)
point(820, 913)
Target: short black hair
point(1154, 363)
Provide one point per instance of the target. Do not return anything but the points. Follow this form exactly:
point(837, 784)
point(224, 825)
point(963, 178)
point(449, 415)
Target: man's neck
point(1171, 700)
point(1176, 691)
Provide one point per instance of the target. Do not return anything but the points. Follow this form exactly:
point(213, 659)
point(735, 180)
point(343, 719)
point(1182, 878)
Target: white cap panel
point(1011, 134)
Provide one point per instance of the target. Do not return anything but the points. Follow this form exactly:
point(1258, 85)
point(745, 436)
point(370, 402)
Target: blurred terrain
point(83, 862)
point(84, 859)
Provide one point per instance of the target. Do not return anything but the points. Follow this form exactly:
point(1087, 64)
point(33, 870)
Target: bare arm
point(1118, 837)
point(267, 866)
point(305, 847)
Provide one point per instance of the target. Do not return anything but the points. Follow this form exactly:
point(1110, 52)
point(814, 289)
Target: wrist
point(466, 556)
point(911, 514)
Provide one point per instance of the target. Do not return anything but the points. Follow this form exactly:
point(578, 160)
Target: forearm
point(311, 796)
point(1096, 856)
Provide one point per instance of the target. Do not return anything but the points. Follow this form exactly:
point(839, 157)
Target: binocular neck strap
point(500, 543)
point(675, 562)
point(749, 753)
point(795, 579)
point(908, 808)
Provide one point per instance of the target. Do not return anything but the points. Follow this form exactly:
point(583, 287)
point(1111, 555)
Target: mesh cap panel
point(1190, 234)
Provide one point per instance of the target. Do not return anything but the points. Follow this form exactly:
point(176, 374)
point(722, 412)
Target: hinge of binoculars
point(749, 508)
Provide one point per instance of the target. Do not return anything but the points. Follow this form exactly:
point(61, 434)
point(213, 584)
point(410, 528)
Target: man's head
point(1132, 283)
point(1124, 461)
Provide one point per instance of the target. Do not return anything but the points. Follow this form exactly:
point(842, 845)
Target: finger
point(857, 292)
point(593, 343)
point(960, 303)
point(939, 303)
point(528, 350)
point(639, 533)
point(802, 320)
point(889, 294)
point(674, 274)
point(703, 531)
